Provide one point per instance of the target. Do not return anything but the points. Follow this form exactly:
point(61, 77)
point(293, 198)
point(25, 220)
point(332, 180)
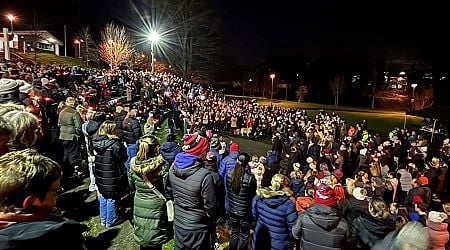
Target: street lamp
point(153, 37)
point(110, 42)
point(79, 47)
point(272, 76)
point(11, 18)
point(414, 85)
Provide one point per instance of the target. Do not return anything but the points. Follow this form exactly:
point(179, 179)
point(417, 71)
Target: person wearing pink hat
point(193, 193)
point(321, 225)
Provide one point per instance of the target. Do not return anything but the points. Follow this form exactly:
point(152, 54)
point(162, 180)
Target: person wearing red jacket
point(437, 229)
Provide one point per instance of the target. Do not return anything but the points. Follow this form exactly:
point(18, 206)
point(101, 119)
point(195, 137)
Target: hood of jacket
point(374, 226)
point(323, 216)
point(437, 226)
point(234, 155)
point(272, 198)
point(102, 142)
point(185, 165)
point(20, 234)
point(169, 147)
point(149, 167)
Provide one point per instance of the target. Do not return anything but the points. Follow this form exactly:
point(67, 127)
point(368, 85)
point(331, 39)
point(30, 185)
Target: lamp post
point(79, 47)
point(272, 76)
point(153, 37)
point(414, 85)
point(110, 42)
point(11, 18)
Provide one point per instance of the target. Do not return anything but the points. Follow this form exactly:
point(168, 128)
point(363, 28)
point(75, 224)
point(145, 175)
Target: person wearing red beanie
point(234, 147)
point(194, 195)
point(195, 144)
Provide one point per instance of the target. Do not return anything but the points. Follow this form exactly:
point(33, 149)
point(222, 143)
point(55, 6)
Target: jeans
point(108, 210)
point(240, 231)
point(131, 152)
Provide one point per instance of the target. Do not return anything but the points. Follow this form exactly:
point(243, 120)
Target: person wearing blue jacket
point(226, 165)
point(170, 148)
point(275, 215)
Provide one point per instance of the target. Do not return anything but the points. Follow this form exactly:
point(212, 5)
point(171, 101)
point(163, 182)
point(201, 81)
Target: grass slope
point(48, 59)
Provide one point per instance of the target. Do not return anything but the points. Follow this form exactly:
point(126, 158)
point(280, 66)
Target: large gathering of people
point(324, 183)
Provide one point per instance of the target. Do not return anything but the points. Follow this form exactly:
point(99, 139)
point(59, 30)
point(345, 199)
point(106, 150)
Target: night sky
point(256, 31)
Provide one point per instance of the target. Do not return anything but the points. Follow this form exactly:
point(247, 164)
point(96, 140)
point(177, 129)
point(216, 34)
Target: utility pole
point(65, 41)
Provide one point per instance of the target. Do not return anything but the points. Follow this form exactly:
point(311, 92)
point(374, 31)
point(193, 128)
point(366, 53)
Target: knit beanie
point(234, 147)
point(9, 90)
point(325, 195)
point(194, 144)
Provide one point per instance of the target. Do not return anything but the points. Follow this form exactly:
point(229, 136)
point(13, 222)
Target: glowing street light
point(414, 85)
point(110, 42)
point(11, 18)
point(153, 37)
point(79, 46)
point(272, 76)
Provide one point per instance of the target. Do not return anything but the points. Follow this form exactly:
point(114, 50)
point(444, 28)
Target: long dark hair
point(238, 172)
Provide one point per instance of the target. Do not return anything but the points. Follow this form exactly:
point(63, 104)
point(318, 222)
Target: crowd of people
point(324, 184)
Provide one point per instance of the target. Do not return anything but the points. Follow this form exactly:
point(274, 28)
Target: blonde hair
point(26, 125)
point(148, 147)
point(24, 173)
point(108, 128)
point(278, 182)
point(412, 236)
point(378, 209)
point(350, 183)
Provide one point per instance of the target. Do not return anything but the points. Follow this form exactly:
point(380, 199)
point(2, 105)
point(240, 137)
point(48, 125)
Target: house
point(23, 40)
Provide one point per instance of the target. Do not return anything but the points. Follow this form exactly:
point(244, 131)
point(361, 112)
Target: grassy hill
point(48, 58)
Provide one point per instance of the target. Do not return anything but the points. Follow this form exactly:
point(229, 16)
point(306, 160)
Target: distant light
point(402, 73)
point(81, 41)
point(250, 80)
point(76, 41)
point(272, 76)
point(443, 78)
point(10, 17)
point(154, 37)
point(414, 85)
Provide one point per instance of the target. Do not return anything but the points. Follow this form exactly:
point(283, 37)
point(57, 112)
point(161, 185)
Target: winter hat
point(210, 156)
point(296, 166)
point(417, 199)
point(325, 195)
point(446, 142)
point(435, 216)
point(214, 141)
point(309, 160)
point(194, 144)
point(359, 193)
point(363, 151)
point(25, 88)
point(423, 180)
point(234, 147)
point(8, 86)
point(44, 81)
point(326, 151)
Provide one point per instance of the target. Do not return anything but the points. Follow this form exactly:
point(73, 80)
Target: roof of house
point(44, 34)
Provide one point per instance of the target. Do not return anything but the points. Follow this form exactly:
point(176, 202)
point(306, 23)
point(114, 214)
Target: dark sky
point(254, 31)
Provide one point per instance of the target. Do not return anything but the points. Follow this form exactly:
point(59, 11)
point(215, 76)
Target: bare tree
point(115, 47)
point(337, 85)
point(423, 97)
point(194, 51)
point(301, 92)
point(88, 53)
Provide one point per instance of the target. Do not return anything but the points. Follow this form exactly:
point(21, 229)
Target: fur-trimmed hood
point(149, 168)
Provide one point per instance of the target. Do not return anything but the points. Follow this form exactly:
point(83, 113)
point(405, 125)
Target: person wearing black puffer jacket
point(170, 148)
point(131, 131)
point(367, 229)
point(108, 169)
point(241, 185)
